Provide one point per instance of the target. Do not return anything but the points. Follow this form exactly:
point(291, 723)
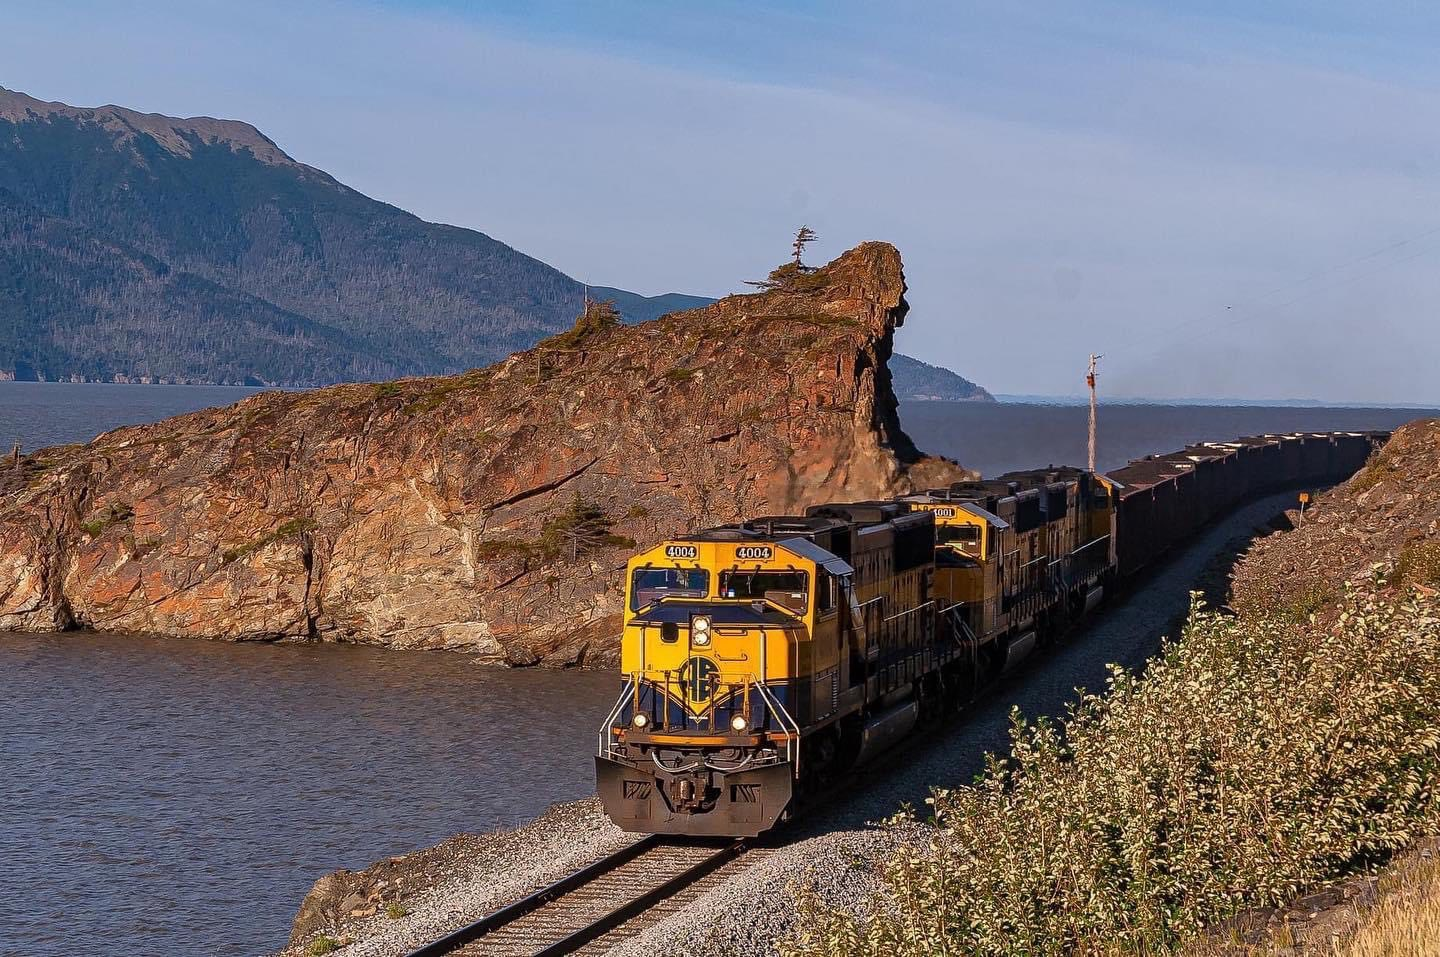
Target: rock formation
point(490, 511)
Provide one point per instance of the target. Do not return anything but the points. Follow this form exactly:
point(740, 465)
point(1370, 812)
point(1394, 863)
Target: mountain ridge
point(385, 293)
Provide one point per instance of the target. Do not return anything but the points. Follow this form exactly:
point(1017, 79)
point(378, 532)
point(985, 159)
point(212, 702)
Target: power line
point(1245, 310)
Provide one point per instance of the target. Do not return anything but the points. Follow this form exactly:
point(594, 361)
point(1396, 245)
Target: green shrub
point(582, 527)
point(322, 945)
point(1308, 600)
point(1252, 760)
point(116, 513)
point(578, 529)
point(291, 528)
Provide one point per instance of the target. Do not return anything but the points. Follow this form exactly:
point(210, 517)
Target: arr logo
point(754, 553)
point(682, 551)
point(697, 678)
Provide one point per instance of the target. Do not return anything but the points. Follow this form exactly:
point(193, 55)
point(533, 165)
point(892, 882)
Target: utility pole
point(1090, 381)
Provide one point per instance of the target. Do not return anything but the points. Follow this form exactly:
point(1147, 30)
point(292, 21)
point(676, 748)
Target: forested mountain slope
point(138, 244)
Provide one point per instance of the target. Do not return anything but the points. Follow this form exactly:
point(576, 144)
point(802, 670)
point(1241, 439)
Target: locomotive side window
point(785, 588)
point(825, 593)
point(945, 534)
point(652, 584)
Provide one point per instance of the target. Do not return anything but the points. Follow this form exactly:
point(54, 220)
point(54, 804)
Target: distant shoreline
point(1228, 403)
point(1000, 397)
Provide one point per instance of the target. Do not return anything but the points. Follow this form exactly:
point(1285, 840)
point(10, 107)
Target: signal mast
point(1090, 381)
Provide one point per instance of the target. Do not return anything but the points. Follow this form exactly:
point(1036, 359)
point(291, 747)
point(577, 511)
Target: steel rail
point(536, 900)
point(645, 901)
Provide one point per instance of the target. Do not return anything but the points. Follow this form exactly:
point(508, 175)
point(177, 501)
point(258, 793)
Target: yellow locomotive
point(761, 658)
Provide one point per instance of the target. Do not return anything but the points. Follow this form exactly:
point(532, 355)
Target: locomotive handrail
point(792, 745)
point(909, 611)
point(744, 681)
point(607, 730)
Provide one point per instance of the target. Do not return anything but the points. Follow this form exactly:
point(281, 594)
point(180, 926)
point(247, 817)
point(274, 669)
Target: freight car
point(763, 659)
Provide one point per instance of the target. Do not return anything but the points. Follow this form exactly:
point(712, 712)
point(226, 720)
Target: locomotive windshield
point(786, 588)
point(649, 585)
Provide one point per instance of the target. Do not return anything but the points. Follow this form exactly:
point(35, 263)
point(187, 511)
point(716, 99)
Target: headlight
point(700, 630)
point(640, 720)
point(738, 723)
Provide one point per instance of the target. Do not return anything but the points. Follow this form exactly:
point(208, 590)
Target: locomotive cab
point(968, 543)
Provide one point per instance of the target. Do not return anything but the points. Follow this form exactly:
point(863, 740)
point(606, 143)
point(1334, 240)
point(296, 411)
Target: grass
point(1374, 472)
point(438, 395)
point(118, 513)
point(395, 911)
point(321, 945)
point(1406, 921)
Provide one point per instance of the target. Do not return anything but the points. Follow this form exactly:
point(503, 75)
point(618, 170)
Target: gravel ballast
point(837, 847)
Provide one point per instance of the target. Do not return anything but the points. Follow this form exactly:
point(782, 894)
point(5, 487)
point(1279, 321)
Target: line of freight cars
point(762, 659)
point(1164, 499)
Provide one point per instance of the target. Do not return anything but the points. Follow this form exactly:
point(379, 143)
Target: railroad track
point(594, 908)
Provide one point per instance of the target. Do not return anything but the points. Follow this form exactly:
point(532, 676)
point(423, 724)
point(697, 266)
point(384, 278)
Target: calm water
point(180, 797)
point(996, 438)
point(37, 414)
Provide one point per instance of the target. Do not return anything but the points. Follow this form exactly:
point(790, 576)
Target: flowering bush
point(1253, 759)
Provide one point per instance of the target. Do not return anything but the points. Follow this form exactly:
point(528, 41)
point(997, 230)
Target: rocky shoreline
point(836, 850)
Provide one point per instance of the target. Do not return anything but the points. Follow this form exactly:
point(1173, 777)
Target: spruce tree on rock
point(803, 235)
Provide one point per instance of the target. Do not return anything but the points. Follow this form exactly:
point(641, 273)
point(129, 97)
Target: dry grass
point(1419, 564)
point(1406, 922)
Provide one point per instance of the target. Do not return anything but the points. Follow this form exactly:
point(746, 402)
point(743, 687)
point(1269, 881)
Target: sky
point(1225, 199)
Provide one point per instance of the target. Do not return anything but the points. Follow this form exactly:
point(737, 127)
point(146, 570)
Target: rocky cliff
point(1381, 525)
point(491, 511)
